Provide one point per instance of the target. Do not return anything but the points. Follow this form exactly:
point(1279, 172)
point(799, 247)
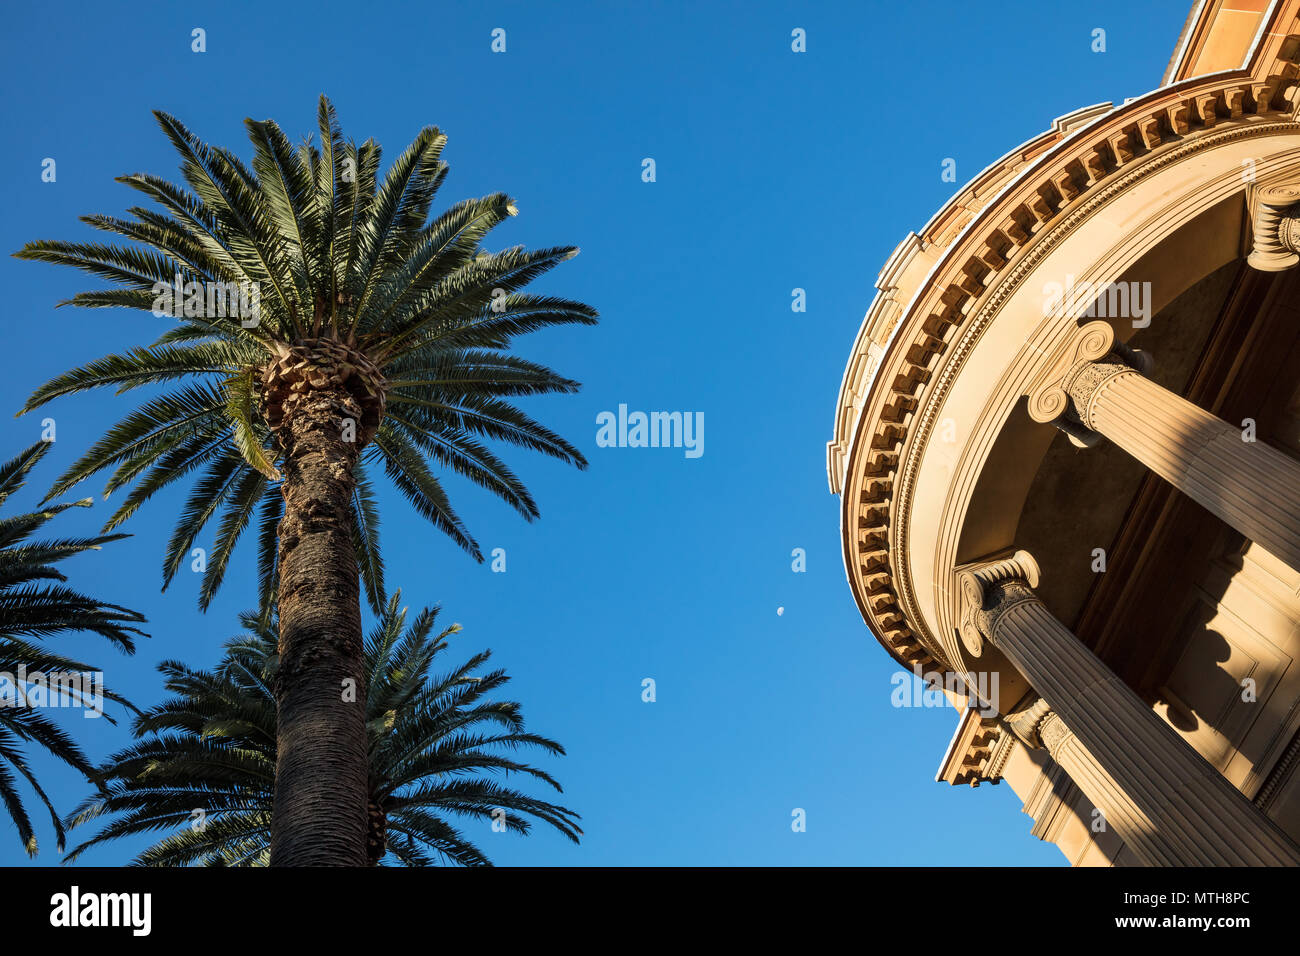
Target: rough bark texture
point(321, 782)
point(377, 836)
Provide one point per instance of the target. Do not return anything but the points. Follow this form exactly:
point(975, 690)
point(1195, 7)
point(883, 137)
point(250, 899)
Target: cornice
point(915, 439)
point(998, 248)
point(978, 751)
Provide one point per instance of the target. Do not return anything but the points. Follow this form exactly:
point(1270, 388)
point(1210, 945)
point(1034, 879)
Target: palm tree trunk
point(377, 837)
point(321, 794)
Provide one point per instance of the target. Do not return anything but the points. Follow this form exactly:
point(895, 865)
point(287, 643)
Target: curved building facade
point(1067, 448)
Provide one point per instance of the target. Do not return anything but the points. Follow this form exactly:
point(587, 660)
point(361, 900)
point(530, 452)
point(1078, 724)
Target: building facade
point(1067, 448)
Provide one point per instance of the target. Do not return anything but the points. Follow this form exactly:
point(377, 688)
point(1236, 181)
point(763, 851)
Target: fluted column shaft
point(1167, 803)
point(1251, 486)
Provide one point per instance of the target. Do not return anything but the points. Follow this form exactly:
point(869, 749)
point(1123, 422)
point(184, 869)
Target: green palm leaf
point(342, 253)
point(35, 606)
point(211, 748)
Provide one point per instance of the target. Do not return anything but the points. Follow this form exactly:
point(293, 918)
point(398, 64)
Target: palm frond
point(211, 747)
point(35, 606)
point(336, 250)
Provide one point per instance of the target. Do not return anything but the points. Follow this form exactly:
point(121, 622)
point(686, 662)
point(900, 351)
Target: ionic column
point(1276, 228)
point(1092, 386)
point(1167, 803)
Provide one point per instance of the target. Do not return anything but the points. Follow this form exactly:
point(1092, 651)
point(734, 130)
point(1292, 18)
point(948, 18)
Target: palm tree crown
point(434, 741)
point(36, 603)
point(355, 288)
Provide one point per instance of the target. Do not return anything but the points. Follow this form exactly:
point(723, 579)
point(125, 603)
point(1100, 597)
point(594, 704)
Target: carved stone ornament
point(1053, 733)
point(1027, 719)
point(988, 591)
point(1048, 397)
point(1276, 227)
point(1063, 393)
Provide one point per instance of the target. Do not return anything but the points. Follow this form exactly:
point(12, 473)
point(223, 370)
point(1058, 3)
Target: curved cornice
point(924, 423)
point(944, 227)
point(971, 278)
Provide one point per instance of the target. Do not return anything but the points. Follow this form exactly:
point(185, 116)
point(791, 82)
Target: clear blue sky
point(775, 170)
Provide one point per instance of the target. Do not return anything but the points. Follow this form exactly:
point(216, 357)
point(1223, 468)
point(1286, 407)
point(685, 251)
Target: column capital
point(1053, 732)
point(1275, 223)
point(1037, 726)
point(1075, 373)
point(1027, 718)
point(988, 590)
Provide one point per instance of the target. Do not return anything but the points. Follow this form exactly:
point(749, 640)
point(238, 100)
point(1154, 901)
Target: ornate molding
point(1059, 175)
point(887, 483)
point(978, 752)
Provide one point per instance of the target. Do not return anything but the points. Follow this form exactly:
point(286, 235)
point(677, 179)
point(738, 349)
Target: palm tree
point(370, 337)
point(206, 760)
point(36, 603)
